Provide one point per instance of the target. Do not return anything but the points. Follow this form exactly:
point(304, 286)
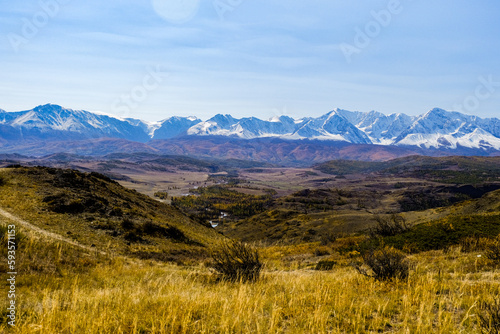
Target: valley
point(129, 234)
point(294, 204)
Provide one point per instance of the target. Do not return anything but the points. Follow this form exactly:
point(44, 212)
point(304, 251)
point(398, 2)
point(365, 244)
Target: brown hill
point(95, 211)
point(288, 152)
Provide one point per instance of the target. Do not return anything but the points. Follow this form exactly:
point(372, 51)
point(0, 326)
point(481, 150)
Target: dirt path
point(42, 232)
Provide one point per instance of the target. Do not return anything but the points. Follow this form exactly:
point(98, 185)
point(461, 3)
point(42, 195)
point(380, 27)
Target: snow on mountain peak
point(437, 128)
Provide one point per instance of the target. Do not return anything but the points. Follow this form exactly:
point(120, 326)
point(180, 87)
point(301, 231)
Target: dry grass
point(442, 295)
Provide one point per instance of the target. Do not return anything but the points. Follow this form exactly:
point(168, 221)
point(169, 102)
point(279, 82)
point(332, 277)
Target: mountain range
point(45, 128)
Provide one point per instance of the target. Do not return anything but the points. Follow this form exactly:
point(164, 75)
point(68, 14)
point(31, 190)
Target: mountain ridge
point(437, 129)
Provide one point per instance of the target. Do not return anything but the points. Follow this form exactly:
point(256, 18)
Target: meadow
point(61, 290)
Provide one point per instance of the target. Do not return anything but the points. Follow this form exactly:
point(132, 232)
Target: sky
point(152, 59)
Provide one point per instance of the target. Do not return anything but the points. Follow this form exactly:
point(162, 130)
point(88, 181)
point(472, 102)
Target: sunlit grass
point(117, 295)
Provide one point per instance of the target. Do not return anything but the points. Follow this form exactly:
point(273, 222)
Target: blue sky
point(152, 59)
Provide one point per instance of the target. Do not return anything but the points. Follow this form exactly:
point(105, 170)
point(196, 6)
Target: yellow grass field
point(120, 295)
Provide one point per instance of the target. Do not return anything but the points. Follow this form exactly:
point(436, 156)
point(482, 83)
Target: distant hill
point(454, 169)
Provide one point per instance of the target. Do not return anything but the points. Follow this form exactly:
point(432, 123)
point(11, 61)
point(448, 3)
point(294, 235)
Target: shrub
point(389, 227)
point(489, 316)
point(325, 265)
point(328, 238)
point(132, 236)
point(171, 232)
point(128, 224)
point(385, 264)
point(236, 261)
point(470, 244)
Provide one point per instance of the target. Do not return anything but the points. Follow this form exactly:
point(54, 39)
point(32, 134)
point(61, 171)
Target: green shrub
point(236, 261)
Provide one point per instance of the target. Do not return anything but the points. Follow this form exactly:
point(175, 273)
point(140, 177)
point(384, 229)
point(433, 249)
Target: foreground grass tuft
point(236, 261)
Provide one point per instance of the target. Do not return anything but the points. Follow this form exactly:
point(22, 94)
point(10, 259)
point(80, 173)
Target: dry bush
point(385, 264)
point(328, 238)
point(489, 317)
point(389, 227)
point(236, 261)
point(325, 265)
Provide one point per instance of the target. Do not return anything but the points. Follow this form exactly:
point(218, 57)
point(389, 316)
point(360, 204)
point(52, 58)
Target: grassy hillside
point(419, 188)
point(95, 211)
point(313, 215)
point(307, 215)
point(444, 169)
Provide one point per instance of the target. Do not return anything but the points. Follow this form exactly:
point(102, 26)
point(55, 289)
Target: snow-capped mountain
point(248, 128)
point(492, 125)
point(52, 122)
point(381, 129)
point(436, 130)
point(442, 129)
point(332, 126)
point(174, 127)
